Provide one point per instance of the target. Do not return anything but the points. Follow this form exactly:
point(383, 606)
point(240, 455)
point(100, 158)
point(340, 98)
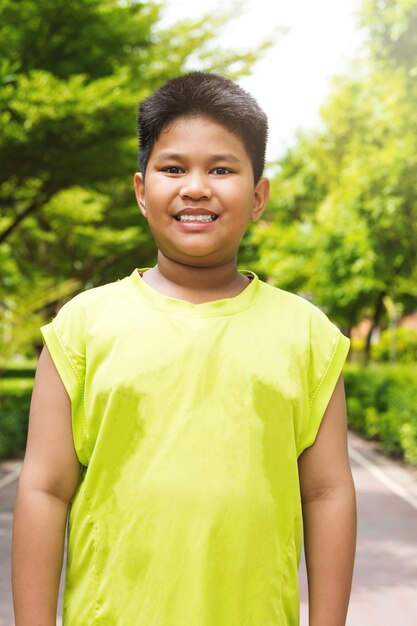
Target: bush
point(15, 395)
point(396, 344)
point(25, 370)
point(382, 405)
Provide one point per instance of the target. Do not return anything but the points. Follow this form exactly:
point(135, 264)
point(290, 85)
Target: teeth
point(196, 218)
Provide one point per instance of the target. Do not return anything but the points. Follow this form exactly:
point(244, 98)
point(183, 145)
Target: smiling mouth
point(195, 218)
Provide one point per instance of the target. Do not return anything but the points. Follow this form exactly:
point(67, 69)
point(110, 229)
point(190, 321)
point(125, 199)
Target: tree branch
point(30, 209)
point(379, 307)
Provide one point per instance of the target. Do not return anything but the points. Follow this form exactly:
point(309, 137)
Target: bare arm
point(329, 513)
point(47, 483)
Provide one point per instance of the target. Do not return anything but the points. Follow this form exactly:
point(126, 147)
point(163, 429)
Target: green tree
point(349, 193)
point(72, 74)
point(392, 28)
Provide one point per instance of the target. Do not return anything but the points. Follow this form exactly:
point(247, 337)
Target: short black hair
point(210, 95)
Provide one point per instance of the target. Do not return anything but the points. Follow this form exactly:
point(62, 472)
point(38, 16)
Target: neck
point(174, 276)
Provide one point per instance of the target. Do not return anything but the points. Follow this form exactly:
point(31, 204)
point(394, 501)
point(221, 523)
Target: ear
point(260, 198)
point(140, 192)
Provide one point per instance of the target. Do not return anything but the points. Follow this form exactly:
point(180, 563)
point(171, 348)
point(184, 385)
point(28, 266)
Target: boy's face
point(200, 170)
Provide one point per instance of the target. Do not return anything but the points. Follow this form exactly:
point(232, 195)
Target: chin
point(195, 258)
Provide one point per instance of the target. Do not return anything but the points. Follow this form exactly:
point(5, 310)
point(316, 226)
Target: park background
point(338, 81)
point(341, 224)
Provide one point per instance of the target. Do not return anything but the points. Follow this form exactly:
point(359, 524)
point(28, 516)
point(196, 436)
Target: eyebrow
point(175, 156)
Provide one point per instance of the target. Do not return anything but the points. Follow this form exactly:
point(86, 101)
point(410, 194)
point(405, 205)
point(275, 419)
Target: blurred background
point(338, 81)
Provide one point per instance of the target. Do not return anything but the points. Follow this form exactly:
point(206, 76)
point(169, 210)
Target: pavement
point(384, 589)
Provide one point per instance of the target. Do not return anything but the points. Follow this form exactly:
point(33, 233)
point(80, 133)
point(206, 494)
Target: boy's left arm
point(329, 516)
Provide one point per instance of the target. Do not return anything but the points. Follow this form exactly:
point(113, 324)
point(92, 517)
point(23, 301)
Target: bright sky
point(293, 78)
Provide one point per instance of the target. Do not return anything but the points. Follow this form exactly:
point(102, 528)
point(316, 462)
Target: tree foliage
point(71, 75)
point(342, 225)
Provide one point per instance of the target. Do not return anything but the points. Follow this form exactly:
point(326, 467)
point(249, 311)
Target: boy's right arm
point(49, 477)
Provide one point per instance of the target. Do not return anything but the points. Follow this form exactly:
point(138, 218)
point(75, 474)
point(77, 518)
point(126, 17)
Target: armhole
point(323, 392)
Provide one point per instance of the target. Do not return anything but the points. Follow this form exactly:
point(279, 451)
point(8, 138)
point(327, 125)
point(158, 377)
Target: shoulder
point(96, 297)
point(289, 303)
point(303, 322)
point(102, 303)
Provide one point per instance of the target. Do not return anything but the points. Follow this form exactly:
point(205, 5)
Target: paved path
point(8, 482)
point(384, 590)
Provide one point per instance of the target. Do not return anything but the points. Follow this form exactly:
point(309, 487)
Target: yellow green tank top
point(188, 420)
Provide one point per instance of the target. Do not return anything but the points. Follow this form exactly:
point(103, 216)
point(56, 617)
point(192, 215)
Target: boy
point(190, 415)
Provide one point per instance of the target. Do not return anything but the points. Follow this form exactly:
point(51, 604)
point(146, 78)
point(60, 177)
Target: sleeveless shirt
point(188, 420)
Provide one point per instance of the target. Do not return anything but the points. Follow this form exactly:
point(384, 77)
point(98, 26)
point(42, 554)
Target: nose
point(195, 186)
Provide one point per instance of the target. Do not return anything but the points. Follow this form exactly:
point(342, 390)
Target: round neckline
point(212, 308)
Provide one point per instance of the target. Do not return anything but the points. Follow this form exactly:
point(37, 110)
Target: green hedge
point(15, 397)
point(396, 344)
point(382, 405)
point(18, 371)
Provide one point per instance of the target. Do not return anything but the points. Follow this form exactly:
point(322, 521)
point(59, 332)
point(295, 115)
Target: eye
point(221, 171)
point(172, 169)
